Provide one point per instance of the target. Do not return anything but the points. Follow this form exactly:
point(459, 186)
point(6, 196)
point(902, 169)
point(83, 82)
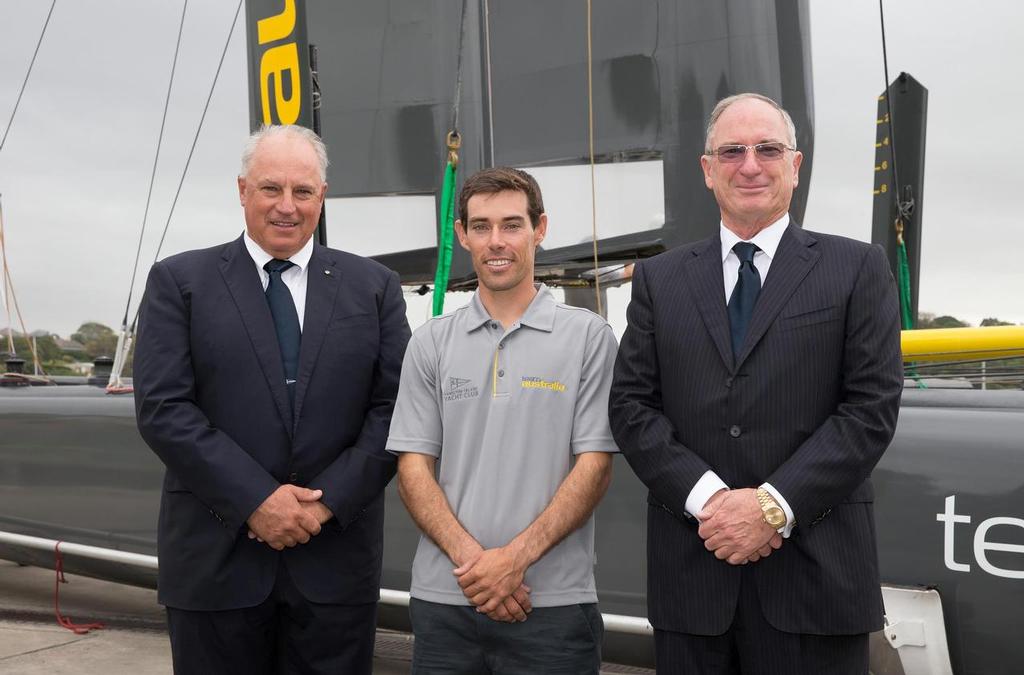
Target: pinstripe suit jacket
point(809, 405)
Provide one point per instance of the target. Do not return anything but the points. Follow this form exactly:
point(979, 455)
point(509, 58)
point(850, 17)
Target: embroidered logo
point(539, 383)
point(459, 388)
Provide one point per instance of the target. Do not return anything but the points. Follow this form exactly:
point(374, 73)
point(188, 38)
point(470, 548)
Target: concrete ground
point(134, 640)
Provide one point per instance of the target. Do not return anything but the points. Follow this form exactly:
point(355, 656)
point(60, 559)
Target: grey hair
point(294, 130)
point(729, 100)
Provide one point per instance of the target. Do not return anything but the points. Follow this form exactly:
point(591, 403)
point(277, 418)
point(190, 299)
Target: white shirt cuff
point(707, 486)
point(786, 529)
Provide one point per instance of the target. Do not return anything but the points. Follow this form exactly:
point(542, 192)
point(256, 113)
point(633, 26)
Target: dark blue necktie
point(744, 295)
point(286, 322)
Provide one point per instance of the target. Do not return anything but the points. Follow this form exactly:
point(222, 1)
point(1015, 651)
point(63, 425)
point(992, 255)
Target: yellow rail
point(958, 344)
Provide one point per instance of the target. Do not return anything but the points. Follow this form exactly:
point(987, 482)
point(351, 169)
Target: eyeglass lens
point(764, 151)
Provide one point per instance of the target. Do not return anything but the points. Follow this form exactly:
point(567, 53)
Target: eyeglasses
point(765, 152)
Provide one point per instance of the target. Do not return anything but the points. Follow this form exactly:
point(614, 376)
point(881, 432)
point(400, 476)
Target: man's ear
point(241, 190)
point(541, 230)
point(460, 232)
point(798, 158)
point(705, 164)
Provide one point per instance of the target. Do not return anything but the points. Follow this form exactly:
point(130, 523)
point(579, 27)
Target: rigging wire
point(115, 376)
point(24, 82)
point(195, 139)
point(593, 180)
point(156, 160)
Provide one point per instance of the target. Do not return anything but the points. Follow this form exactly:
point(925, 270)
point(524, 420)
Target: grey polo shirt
point(505, 411)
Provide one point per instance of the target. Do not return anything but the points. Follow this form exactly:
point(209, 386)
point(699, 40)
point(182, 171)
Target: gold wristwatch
point(770, 509)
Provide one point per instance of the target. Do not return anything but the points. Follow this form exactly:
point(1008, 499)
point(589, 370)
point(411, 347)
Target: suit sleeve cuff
point(708, 485)
point(786, 529)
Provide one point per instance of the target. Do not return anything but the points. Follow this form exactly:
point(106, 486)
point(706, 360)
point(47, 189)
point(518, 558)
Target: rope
point(24, 82)
point(457, 99)
point(446, 217)
point(64, 621)
point(593, 180)
point(487, 64)
point(116, 374)
point(903, 208)
point(10, 298)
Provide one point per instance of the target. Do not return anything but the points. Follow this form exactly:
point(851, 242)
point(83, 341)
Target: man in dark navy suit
point(266, 372)
point(756, 387)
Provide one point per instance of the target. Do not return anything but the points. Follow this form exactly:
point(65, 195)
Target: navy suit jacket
point(212, 404)
point(809, 405)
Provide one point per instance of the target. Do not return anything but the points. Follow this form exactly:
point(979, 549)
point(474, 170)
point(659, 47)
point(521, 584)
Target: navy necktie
point(744, 295)
point(286, 322)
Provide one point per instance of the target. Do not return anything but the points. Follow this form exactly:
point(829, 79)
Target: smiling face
point(753, 193)
point(282, 194)
point(501, 240)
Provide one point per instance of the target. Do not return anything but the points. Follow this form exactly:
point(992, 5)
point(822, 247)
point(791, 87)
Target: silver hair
point(295, 130)
point(729, 100)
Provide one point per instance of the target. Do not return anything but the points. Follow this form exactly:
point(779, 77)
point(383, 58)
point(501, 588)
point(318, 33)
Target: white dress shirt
point(294, 278)
point(768, 241)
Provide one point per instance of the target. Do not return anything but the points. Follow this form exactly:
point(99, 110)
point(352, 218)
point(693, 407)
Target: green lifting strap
point(444, 240)
point(904, 280)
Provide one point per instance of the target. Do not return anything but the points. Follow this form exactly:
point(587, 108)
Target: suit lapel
point(793, 260)
point(243, 282)
point(704, 271)
point(323, 279)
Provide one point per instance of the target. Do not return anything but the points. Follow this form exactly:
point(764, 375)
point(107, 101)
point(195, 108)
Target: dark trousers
point(284, 634)
point(457, 640)
point(752, 646)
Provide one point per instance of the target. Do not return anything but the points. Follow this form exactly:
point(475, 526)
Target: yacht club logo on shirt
point(459, 388)
point(540, 383)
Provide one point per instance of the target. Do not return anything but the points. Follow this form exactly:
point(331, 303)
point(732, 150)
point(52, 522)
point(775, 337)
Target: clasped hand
point(291, 515)
point(733, 528)
point(492, 581)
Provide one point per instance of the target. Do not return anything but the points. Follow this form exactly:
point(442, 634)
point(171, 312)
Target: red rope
point(64, 621)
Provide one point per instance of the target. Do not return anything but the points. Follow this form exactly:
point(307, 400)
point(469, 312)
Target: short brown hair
point(501, 179)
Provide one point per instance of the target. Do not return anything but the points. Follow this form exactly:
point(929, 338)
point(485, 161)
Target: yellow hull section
point(960, 344)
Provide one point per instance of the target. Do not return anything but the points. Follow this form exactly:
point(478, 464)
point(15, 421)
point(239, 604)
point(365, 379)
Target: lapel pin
point(327, 272)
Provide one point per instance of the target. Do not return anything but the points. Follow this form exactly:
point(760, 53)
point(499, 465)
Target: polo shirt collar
point(540, 313)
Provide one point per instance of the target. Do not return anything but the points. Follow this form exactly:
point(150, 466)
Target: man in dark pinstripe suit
point(756, 387)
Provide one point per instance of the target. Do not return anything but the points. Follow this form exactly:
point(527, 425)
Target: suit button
point(728, 382)
point(735, 431)
point(293, 477)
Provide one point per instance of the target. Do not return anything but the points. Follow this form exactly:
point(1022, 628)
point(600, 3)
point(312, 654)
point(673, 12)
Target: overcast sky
point(76, 166)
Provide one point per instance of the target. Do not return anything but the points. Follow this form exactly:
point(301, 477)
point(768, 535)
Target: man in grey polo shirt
point(504, 447)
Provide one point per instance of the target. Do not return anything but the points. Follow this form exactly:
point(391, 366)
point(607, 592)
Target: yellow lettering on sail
point(279, 62)
point(277, 27)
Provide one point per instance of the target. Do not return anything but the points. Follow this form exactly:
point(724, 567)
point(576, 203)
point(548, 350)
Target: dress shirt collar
point(261, 257)
point(767, 239)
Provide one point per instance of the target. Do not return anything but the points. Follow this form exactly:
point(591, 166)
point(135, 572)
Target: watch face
point(775, 516)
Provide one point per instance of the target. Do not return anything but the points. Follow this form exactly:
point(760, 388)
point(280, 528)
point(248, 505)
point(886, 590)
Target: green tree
point(927, 320)
point(98, 339)
point(992, 321)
